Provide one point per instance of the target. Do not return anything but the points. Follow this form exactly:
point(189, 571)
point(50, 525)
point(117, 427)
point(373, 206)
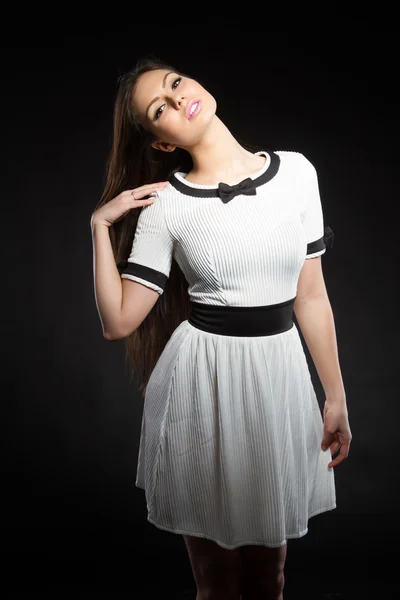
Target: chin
point(207, 114)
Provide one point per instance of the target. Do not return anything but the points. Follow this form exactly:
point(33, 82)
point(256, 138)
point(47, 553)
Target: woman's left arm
point(315, 317)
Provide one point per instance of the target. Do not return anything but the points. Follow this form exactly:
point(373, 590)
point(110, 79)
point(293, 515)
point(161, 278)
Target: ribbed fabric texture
point(247, 252)
point(231, 440)
point(231, 428)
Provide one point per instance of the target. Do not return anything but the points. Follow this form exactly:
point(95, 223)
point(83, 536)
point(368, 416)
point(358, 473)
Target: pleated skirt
point(230, 445)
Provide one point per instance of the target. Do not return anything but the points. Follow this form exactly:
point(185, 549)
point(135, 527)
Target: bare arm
point(315, 317)
point(122, 304)
point(121, 307)
point(107, 281)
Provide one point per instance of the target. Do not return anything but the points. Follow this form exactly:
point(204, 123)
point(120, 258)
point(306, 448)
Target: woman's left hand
point(337, 434)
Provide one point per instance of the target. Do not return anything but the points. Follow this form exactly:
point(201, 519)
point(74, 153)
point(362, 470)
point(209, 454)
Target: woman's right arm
point(108, 285)
point(107, 280)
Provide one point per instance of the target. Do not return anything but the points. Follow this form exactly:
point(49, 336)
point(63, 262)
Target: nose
point(178, 101)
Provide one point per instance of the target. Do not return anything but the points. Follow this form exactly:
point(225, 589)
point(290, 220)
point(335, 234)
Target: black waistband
point(242, 320)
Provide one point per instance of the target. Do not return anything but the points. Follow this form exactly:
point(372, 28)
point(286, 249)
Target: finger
point(335, 447)
point(336, 462)
point(327, 440)
point(145, 189)
point(142, 194)
point(344, 452)
point(150, 197)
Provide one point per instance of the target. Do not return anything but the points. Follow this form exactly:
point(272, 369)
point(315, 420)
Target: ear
point(163, 146)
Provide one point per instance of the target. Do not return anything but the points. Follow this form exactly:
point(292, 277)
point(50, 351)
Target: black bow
point(329, 236)
point(227, 192)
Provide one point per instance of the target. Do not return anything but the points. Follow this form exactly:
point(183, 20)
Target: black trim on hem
point(146, 273)
point(324, 242)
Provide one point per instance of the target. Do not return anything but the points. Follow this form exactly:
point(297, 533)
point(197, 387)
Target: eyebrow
point(158, 97)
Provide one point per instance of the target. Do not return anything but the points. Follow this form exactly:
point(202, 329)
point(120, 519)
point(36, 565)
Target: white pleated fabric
point(231, 428)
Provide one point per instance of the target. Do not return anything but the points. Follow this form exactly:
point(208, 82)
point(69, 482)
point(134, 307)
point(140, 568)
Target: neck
point(218, 156)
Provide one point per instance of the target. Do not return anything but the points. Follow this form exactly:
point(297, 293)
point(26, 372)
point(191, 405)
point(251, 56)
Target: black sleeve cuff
point(324, 242)
point(143, 272)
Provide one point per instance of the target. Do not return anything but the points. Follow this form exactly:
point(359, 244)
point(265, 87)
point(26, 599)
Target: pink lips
point(196, 110)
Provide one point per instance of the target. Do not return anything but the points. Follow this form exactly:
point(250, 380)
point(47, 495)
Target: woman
point(212, 241)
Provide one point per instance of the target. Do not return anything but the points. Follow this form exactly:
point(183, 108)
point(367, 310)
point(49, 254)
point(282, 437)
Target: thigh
point(214, 567)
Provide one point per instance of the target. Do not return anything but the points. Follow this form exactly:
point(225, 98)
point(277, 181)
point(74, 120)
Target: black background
point(73, 522)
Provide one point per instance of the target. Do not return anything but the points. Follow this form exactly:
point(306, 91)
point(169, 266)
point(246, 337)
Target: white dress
point(230, 446)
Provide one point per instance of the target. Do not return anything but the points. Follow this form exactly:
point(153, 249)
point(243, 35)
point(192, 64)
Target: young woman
point(203, 250)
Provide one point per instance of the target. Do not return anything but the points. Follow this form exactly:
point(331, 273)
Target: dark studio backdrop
point(72, 518)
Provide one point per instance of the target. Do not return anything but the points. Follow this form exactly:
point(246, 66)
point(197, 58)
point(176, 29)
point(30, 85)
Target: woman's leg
point(216, 570)
point(262, 572)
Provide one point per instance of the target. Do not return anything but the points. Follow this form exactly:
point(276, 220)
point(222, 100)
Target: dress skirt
point(230, 446)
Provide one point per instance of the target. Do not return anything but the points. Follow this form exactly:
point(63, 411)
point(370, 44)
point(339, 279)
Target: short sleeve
point(318, 236)
point(150, 259)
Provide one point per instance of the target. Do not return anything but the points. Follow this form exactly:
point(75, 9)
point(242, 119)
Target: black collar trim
point(266, 176)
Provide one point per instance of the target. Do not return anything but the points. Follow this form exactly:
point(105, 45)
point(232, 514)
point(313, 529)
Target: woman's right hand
point(118, 207)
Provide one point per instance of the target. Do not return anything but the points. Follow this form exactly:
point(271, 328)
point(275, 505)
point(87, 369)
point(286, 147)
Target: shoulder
point(167, 204)
point(160, 197)
point(166, 198)
point(297, 167)
point(154, 212)
point(166, 192)
point(295, 160)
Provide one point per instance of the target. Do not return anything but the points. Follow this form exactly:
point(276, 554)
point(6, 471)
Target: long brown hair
point(133, 162)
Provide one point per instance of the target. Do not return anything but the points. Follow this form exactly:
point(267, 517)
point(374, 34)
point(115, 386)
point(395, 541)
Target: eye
point(175, 84)
point(158, 112)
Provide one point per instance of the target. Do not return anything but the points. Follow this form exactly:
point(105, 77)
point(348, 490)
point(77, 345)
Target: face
point(176, 109)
